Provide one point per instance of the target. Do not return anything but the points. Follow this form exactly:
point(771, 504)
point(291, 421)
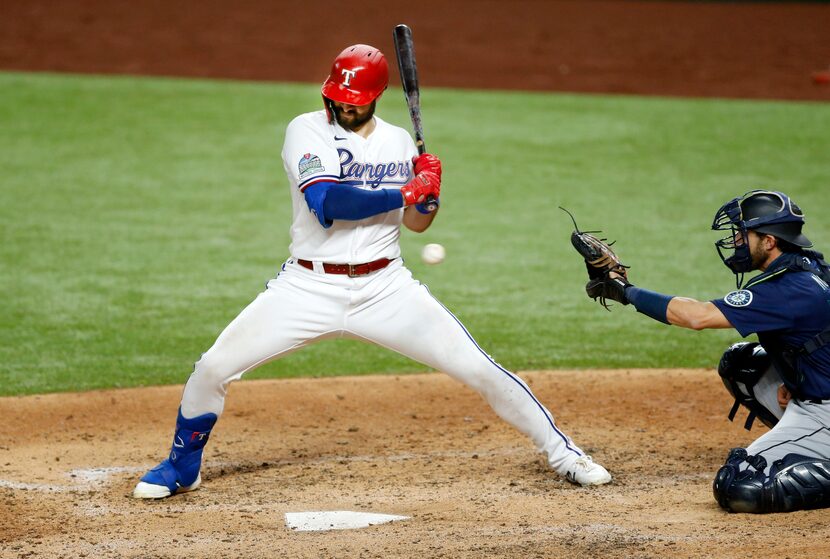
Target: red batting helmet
point(358, 76)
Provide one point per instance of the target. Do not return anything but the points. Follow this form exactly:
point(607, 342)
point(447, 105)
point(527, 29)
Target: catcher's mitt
point(601, 261)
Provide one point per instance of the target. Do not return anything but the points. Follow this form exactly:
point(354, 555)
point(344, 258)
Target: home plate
point(319, 521)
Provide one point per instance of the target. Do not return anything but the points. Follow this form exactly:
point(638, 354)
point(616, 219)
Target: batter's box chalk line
point(85, 479)
point(321, 521)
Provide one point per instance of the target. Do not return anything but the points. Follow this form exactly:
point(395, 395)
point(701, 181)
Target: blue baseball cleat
point(179, 472)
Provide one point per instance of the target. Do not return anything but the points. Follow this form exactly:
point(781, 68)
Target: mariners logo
point(740, 298)
point(309, 164)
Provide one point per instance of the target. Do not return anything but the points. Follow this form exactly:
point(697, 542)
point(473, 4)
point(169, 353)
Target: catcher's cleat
point(179, 472)
point(584, 471)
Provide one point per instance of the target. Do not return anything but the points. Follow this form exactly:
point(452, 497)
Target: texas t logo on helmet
point(349, 75)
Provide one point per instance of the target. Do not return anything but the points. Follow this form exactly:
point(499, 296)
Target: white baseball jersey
point(317, 151)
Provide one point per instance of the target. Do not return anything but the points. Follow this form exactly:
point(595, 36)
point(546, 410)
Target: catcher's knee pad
point(794, 483)
point(749, 375)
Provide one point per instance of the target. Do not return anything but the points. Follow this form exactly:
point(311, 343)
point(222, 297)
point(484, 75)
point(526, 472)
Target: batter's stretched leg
point(413, 323)
point(274, 324)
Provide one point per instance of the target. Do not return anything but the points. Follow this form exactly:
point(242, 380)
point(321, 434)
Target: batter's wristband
point(424, 209)
point(650, 303)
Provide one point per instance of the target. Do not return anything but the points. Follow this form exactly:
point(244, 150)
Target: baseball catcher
point(783, 379)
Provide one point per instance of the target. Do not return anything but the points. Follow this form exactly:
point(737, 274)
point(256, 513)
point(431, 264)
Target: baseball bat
point(405, 49)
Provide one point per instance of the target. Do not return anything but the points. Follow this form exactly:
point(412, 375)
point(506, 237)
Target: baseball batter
point(354, 179)
point(784, 378)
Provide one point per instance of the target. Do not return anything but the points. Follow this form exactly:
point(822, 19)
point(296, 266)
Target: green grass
point(139, 216)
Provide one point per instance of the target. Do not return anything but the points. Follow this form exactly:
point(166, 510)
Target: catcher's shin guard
point(742, 368)
point(794, 483)
point(180, 471)
point(736, 490)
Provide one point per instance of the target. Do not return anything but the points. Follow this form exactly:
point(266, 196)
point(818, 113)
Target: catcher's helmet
point(358, 76)
point(764, 211)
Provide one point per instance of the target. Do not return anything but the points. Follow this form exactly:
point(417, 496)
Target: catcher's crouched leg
point(794, 483)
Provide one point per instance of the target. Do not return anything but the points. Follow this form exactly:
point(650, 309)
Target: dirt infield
point(421, 446)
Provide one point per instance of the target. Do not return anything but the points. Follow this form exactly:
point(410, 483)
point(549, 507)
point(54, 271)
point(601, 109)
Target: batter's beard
point(353, 121)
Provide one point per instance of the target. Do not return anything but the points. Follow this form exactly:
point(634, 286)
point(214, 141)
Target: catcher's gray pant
point(388, 308)
point(803, 429)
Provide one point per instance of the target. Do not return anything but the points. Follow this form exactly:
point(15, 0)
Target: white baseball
point(433, 253)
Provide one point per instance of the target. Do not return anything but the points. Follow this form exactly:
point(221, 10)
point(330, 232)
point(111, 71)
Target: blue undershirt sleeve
point(650, 303)
point(330, 200)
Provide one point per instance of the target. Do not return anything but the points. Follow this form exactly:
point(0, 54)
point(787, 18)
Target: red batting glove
point(427, 162)
point(424, 184)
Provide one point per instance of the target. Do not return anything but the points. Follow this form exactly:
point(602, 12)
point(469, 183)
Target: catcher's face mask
point(764, 211)
point(733, 249)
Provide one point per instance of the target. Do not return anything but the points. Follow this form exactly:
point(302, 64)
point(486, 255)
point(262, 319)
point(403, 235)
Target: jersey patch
point(740, 298)
point(309, 164)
